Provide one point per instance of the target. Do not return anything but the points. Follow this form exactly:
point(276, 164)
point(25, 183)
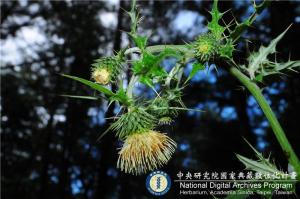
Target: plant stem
point(277, 129)
point(159, 48)
point(130, 87)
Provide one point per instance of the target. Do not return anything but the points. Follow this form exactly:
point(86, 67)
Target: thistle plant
point(144, 148)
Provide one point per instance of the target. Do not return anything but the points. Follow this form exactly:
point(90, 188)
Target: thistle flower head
point(145, 151)
point(105, 70)
point(136, 120)
point(206, 47)
point(101, 75)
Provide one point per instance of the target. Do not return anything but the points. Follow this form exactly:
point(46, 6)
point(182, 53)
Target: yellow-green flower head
point(145, 151)
point(106, 69)
point(101, 75)
point(206, 47)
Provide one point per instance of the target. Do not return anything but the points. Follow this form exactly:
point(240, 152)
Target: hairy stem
point(277, 129)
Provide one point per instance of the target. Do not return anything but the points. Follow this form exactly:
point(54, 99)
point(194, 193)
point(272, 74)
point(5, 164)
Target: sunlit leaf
point(147, 81)
point(93, 85)
point(80, 97)
point(140, 41)
point(214, 25)
point(227, 49)
point(258, 60)
point(120, 96)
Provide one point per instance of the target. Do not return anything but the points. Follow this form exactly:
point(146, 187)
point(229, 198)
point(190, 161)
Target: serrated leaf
point(227, 50)
point(263, 166)
point(260, 156)
point(120, 96)
point(168, 52)
point(140, 41)
point(256, 166)
point(93, 85)
point(148, 68)
point(147, 81)
point(196, 66)
point(138, 68)
point(149, 59)
point(158, 71)
point(214, 25)
point(258, 59)
point(241, 27)
point(288, 65)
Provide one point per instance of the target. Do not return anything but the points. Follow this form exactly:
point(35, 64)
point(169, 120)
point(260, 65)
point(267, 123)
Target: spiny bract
point(136, 120)
point(165, 120)
point(146, 151)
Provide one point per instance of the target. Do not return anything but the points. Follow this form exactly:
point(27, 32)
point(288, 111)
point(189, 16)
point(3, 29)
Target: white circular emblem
point(158, 183)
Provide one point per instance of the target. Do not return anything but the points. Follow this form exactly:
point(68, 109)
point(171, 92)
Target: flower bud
point(101, 76)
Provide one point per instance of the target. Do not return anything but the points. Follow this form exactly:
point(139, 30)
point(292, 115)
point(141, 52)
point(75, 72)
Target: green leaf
point(227, 49)
point(196, 66)
point(214, 25)
point(259, 78)
point(261, 157)
point(138, 68)
point(274, 68)
point(140, 41)
point(241, 27)
point(93, 85)
point(169, 52)
point(157, 71)
point(120, 96)
point(291, 65)
point(258, 60)
point(147, 81)
point(256, 165)
point(149, 59)
point(80, 97)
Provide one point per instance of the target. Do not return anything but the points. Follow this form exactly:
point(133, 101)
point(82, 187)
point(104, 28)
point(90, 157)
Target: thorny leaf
point(148, 68)
point(120, 96)
point(214, 25)
point(195, 68)
point(263, 166)
point(259, 65)
point(93, 85)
